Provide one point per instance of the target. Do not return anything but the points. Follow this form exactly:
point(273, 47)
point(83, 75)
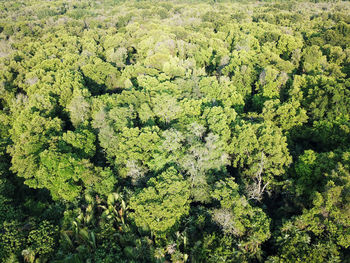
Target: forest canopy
point(174, 131)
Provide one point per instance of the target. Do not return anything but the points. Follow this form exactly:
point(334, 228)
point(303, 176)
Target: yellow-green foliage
point(174, 131)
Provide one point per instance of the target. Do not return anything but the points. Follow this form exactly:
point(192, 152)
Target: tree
point(237, 217)
point(260, 152)
point(66, 176)
point(31, 134)
point(285, 115)
point(41, 242)
point(160, 206)
point(320, 233)
point(196, 155)
point(313, 60)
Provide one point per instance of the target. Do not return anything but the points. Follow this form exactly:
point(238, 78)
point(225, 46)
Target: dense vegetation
point(174, 131)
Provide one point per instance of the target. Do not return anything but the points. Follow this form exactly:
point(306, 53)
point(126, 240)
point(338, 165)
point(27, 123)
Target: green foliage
point(190, 131)
point(237, 217)
point(41, 241)
point(261, 153)
point(30, 134)
point(12, 239)
point(160, 206)
point(82, 141)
